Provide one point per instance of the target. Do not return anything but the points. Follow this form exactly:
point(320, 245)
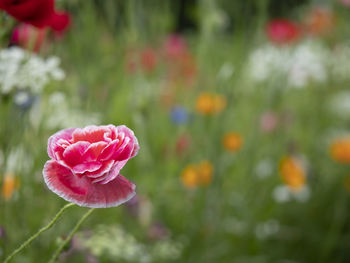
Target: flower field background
point(241, 110)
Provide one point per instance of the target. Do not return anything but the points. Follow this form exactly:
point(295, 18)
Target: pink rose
point(85, 165)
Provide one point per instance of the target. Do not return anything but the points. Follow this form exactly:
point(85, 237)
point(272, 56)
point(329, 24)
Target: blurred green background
point(245, 145)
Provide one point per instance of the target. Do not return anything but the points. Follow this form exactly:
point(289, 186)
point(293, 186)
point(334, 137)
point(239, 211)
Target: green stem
point(70, 236)
point(41, 230)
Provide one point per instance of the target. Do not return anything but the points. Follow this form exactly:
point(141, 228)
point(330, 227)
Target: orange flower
point(340, 150)
point(292, 173)
point(195, 175)
point(9, 185)
point(208, 103)
point(232, 141)
point(320, 21)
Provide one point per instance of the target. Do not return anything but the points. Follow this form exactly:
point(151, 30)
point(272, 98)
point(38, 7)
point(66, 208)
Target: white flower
point(115, 243)
point(341, 62)
point(308, 63)
point(283, 194)
point(266, 229)
point(339, 104)
point(235, 226)
point(226, 71)
point(264, 168)
point(299, 65)
point(22, 98)
point(18, 160)
point(61, 114)
point(20, 69)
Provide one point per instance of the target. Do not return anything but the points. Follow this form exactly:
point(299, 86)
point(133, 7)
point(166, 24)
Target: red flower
point(148, 59)
point(182, 143)
point(85, 165)
point(39, 13)
point(283, 31)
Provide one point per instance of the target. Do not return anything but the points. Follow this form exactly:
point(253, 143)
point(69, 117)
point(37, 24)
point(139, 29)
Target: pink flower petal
point(56, 174)
point(108, 151)
point(125, 130)
point(90, 133)
point(125, 152)
point(120, 148)
point(73, 154)
point(136, 148)
point(112, 173)
point(94, 151)
point(65, 134)
point(82, 192)
point(86, 167)
point(105, 168)
point(129, 133)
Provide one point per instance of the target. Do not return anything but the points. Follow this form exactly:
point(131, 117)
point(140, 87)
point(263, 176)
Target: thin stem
point(70, 236)
point(41, 230)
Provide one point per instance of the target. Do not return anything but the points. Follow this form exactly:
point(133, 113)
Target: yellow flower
point(197, 174)
point(208, 103)
point(340, 150)
point(232, 141)
point(9, 185)
point(205, 171)
point(205, 104)
point(292, 173)
point(189, 176)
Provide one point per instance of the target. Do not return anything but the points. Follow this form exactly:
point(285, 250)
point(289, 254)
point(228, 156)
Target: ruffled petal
point(107, 177)
point(52, 144)
point(120, 148)
point(82, 192)
point(105, 168)
point(130, 134)
point(108, 152)
point(90, 133)
point(86, 167)
point(73, 154)
point(94, 151)
point(136, 148)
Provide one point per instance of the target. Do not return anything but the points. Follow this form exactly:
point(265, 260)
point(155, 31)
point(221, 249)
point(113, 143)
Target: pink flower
point(175, 46)
point(268, 121)
point(283, 31)
point(85, 165)
point(345, 2)
point(28, 36)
